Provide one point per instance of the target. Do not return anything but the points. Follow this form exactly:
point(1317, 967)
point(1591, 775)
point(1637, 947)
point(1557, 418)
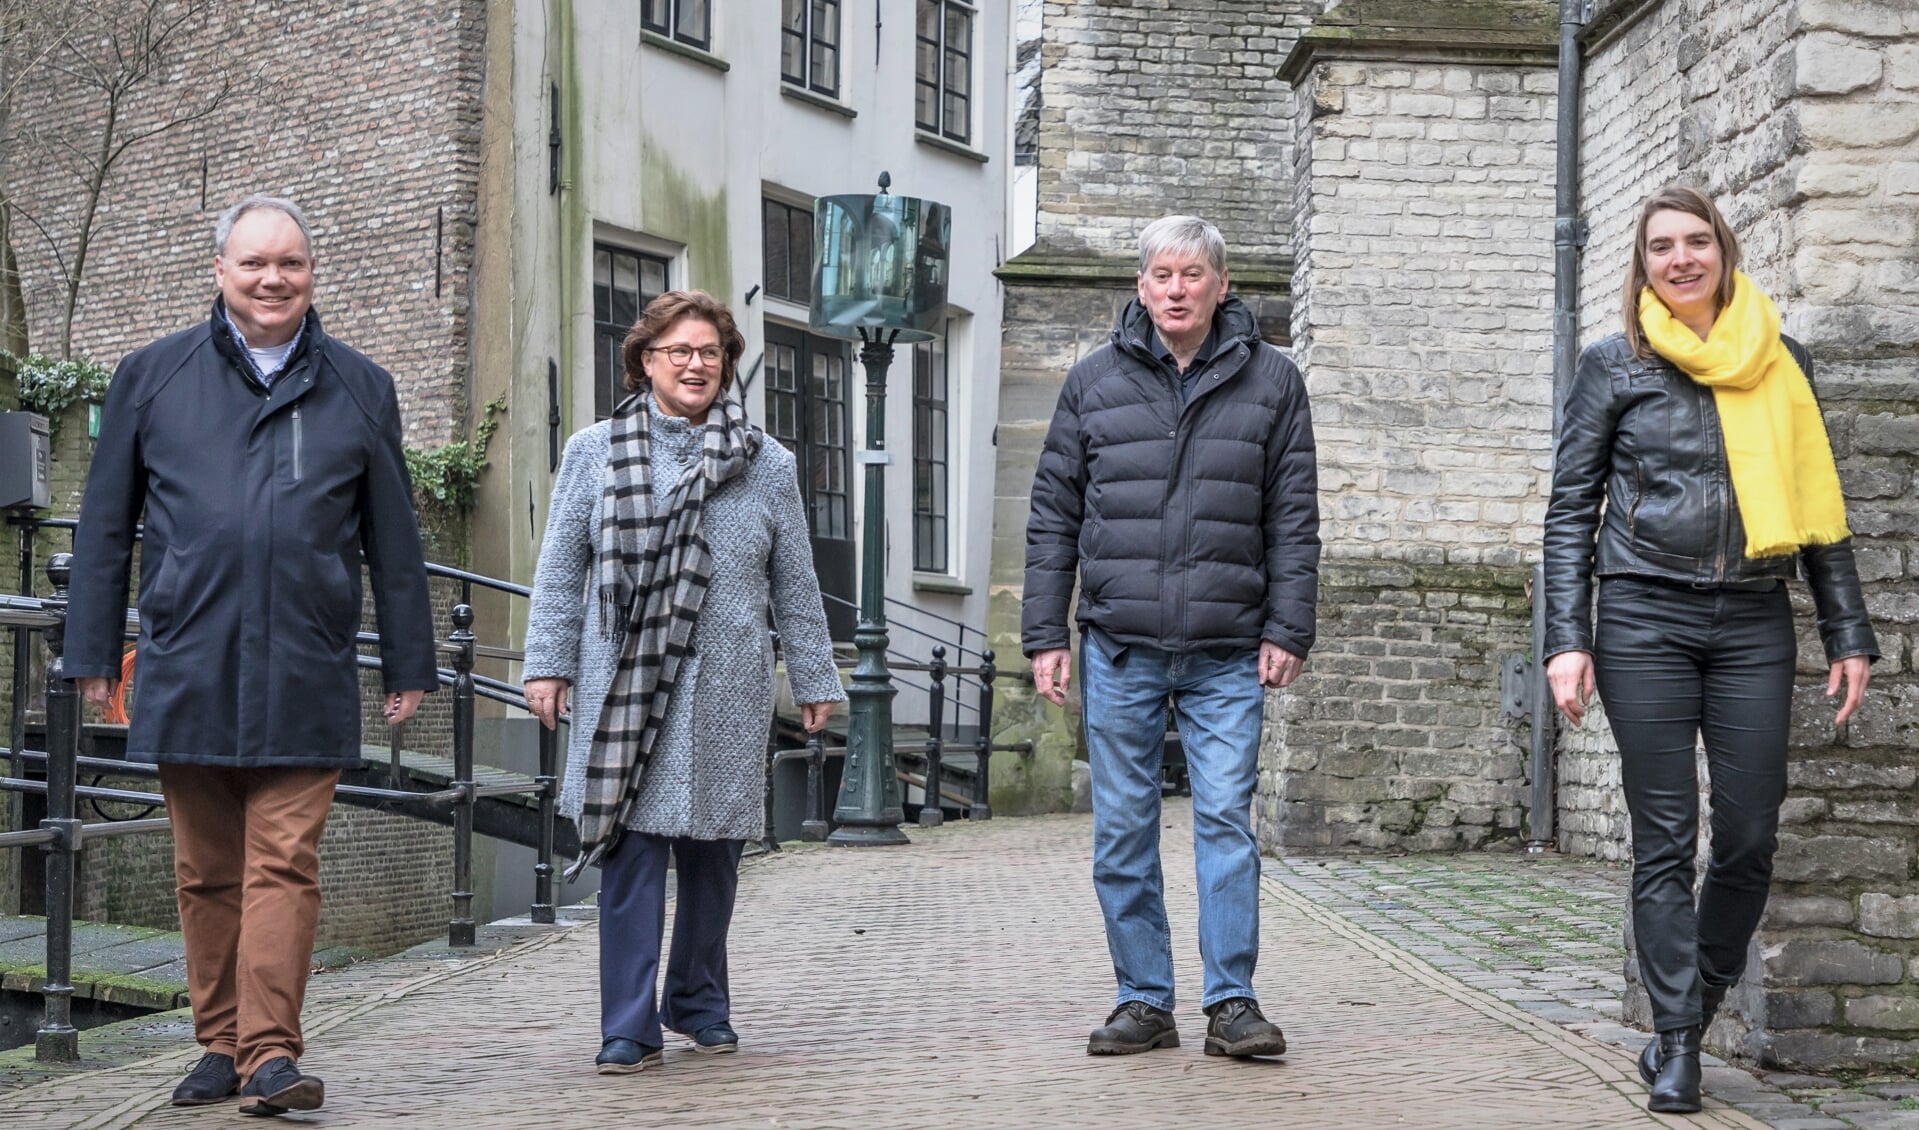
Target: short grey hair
point(223, 227)
point(1182, 235)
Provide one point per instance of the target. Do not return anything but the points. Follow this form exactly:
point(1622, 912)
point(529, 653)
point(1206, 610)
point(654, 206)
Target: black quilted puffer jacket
point(1191, 525)
point(1645, 438)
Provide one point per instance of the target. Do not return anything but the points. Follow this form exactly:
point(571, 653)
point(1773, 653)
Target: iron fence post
point(982, 803)
point(548, 780)
point(57, 1041)
point(460, 931)
point(813, 829)
point(22, 655)
point(930, 814)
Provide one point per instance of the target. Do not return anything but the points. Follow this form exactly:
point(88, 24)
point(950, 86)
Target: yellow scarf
point(1776, 444)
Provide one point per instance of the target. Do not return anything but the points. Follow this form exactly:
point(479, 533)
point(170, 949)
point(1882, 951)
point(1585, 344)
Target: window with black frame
point(624, 281)
point(930, 387)
point(808, 409)
point(786, 243)
point(688, 21)
point(943, 91)
point(810, 45)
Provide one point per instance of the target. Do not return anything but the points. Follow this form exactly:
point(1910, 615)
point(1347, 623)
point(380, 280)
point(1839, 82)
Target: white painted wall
point(662, 135)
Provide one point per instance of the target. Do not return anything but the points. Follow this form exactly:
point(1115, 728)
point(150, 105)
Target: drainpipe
point(1569, 234)
point(566, 116)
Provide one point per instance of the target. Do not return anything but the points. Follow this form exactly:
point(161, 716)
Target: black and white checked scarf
point(654, 570)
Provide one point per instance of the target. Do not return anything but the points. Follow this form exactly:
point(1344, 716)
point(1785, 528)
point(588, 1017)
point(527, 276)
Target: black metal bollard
point(549, 782)
point(58, 1041)
point(814, 828)
point(982, 805)
point(460, 931)
point(930, 814)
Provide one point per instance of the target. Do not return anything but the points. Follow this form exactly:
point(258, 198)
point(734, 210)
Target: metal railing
point(934, 749)
point(64, 835)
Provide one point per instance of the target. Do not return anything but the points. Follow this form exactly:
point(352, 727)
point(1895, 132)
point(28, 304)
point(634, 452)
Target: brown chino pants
point(246, 866)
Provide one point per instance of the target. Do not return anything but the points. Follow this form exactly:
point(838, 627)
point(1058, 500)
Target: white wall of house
point(668, 149)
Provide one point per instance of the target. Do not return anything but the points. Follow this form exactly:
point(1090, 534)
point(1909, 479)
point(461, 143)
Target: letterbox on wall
point(26, 450)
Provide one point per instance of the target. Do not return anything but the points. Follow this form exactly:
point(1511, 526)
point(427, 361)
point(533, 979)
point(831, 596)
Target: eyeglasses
point(682, 355)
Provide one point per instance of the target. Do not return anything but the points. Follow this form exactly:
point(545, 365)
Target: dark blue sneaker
point(212, 1080)
point(716, 1039)
point(620, 1056)
point(279, 1087)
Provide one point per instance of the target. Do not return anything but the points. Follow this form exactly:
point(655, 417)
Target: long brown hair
point(669, 310)
point(1674, 198)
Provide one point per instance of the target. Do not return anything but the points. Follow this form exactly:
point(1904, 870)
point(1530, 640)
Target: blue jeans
point(1217, 704)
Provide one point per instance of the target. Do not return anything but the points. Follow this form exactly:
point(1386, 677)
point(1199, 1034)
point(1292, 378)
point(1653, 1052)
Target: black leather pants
point(1673, 664)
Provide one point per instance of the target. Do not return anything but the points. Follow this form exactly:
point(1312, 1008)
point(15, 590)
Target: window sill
point(684, 50)
point(935, 582)
point(953, 147)
point(819, 101)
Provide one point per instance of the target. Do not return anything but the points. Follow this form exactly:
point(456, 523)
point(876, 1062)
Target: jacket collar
point(1233, 325)
point(228, 342)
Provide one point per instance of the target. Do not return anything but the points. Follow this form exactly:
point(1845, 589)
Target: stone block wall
point(1422, 320)
point(1392, 741)
point(1147, 109)
point(1802, 119)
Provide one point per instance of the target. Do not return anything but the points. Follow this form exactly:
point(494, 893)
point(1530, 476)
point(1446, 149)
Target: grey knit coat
point(707, 774)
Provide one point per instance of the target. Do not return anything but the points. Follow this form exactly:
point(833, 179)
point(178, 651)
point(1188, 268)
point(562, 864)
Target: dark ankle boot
point(1675, 1090)
point(1711, 996)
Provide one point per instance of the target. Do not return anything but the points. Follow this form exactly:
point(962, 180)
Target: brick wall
point(1422, 319)
point(1149, 108)
point(386, 881)
point(365, 114)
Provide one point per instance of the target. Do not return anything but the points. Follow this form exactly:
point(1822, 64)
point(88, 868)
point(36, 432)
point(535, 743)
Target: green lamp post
point(879, 278)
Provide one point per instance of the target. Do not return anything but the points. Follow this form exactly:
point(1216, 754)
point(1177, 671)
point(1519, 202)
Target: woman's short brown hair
point(1674, 198)
point(669, 310)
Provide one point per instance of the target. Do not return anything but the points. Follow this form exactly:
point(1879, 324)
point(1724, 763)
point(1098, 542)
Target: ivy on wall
point(50, 386)
point(446, 478)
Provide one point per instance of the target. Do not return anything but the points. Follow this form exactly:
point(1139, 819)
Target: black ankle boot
point(1711, 996)
point(1675, 1090)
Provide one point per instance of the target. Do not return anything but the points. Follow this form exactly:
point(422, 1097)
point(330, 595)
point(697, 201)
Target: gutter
point(1569, 235)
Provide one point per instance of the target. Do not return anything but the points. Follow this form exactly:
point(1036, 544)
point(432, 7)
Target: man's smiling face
point(266, 276)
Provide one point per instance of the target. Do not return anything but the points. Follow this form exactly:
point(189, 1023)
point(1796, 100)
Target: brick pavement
point(947, 984)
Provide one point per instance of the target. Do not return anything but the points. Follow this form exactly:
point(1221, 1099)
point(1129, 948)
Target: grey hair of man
point(223, 227)
point(1182, 237)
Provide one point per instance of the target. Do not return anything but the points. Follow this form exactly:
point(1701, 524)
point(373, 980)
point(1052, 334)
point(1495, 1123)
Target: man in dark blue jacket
point(267, 460)
point(1178, 481)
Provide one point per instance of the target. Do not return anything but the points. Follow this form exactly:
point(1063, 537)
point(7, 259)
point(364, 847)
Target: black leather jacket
point(1646, 438)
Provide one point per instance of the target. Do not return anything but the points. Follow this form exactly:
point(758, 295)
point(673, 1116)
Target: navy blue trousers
point(633, 923)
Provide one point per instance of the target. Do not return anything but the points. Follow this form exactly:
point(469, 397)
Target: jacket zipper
point(1632, 512)
point(297, 468)
point(1722, 472)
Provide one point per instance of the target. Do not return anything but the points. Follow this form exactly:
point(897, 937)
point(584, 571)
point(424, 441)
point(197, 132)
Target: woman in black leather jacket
point(1698, 429)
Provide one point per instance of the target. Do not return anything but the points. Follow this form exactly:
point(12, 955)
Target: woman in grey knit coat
point(656, 624)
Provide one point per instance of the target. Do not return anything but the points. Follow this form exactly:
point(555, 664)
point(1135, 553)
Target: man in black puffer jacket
point(1178, 481)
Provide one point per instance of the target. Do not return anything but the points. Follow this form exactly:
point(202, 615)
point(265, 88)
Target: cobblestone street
point(952, 984)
